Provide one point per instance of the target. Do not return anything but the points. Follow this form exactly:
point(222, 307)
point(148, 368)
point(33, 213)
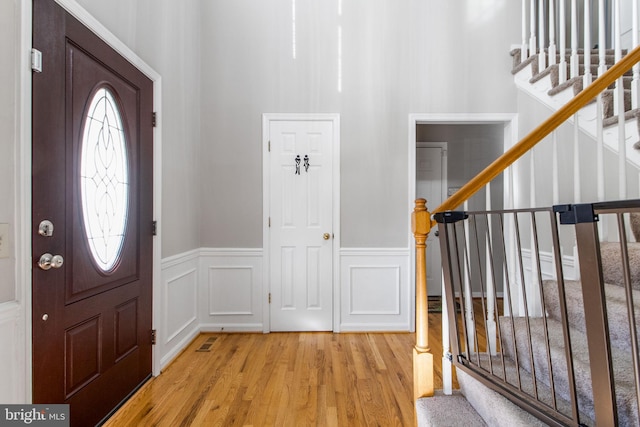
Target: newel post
point(422, 357)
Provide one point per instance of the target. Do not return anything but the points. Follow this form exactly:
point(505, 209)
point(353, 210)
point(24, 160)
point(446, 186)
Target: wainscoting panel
point(375, 290)
point(179, 308)
point(231, 291)
point(12, 365)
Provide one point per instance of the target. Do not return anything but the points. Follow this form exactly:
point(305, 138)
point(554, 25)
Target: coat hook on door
point(306, 163)
point(297, 165)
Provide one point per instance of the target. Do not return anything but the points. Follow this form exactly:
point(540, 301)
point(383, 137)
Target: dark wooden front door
point(92, 179)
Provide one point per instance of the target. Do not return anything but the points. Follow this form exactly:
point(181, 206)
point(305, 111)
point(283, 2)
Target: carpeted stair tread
point(447, 411)
point(612, 272)
point(622, 364)
point(616, 309)
point(497, 411)
point(576, 84)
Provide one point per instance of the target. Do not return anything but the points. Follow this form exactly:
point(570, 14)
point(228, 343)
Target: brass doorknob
point(326, 236)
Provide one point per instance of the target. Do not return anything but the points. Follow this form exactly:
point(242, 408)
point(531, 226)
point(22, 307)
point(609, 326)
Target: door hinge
point(153, 337)
point(269, 297)
point(36, 60)
point(269, 146)
point(154, 228)
point(154, 119)
point(269, 221)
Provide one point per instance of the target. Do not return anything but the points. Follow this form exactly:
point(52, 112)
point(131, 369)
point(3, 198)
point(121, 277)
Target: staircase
point(543, 358)
point(546, 86)
point(561, 346)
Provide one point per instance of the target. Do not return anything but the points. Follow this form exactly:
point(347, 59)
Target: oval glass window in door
point(104, 179)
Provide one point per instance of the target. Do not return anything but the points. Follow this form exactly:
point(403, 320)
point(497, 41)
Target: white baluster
point(635, 84)
point(574, 40)
point(542, 56)
point(532, 27)
point(587, 78)
point(562, 66)
point(447, 375)
point(619, 109)
point(490, 280)
point(533, 296)
point(554, 165)
point(524, 49)
point(602, 39)
point(618, 56)
point(468, 300)
point(552, 33)
point(577, 190)
point(599, 149)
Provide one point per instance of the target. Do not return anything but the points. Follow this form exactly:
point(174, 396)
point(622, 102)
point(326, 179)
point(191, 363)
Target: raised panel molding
point(375, 289)
point(181, 293)
point(178, 315)
point(231, 292)
point(12, 365)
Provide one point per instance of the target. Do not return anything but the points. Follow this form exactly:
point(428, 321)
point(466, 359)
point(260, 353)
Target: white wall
point(397, 57)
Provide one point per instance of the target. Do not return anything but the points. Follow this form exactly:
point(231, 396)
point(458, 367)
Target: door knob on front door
point(48, 261)
point(326, 236)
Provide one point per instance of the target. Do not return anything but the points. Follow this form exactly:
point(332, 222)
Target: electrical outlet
point(4, 241)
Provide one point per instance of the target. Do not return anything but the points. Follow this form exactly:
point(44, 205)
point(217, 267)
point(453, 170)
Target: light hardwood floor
point(282, 379)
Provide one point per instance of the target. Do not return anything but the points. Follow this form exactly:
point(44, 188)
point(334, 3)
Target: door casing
point(267, 118)
point(24, 182)
point(510, 122)
point(443, 195)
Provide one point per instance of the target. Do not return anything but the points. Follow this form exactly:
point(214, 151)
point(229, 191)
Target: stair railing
point(422, 222)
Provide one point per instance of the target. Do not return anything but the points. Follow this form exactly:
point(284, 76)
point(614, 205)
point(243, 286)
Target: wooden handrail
point(539, 133)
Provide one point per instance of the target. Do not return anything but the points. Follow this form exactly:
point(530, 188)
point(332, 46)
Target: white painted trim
point(178, 259)
point(444, 184)
point(510, 123)
point(177, 349)
point(194, 317)
point(374, 251)
point(266, 188)
point(231, 252)
point(23, 178)
point(22, 216)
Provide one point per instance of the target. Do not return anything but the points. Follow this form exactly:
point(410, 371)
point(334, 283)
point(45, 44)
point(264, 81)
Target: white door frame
point(266, 194)
point(23, 179)
point(444, 181)
point(510, 122)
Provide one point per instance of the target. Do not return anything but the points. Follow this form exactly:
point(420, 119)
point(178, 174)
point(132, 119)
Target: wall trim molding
point(178, 259)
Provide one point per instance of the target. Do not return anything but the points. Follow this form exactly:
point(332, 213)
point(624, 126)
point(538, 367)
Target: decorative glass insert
point(104, 179)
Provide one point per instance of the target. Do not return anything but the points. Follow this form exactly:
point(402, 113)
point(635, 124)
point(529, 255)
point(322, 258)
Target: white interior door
point(430, 185)
point(301, 225)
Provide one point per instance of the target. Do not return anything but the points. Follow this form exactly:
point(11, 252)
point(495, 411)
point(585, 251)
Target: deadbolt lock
point(46, 228)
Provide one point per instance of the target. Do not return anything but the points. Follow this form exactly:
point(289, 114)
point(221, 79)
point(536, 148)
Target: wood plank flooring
point(282, 379)
point(288, 379)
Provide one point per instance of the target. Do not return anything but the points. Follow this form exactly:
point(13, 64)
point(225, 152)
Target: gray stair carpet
point(447, 411)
